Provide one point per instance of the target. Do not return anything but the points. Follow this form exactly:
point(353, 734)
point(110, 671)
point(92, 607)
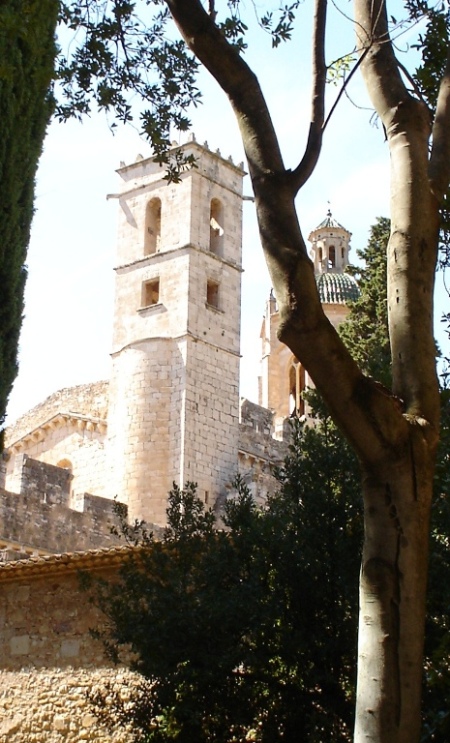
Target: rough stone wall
point(48, 659)
point(51, 705)
point(174, 391)
point(87, 399)
point(38, 515)
point(211, 420)
point(141, 442)
point(77, 442)
point(259, 451)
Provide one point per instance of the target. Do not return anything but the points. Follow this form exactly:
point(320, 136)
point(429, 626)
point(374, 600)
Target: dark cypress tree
point(365, 331)
point(27, 52)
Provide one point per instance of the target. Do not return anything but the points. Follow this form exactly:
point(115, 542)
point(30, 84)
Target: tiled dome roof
point(329, 223)
point(337, 288)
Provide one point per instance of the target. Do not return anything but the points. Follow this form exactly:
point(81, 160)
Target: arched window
point(296, 388)
point(152, 237)
point(65, 464)
point(216, 227)
point(331, 257)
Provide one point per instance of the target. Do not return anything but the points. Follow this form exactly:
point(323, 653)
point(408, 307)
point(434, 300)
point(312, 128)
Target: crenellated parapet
point(39, 516)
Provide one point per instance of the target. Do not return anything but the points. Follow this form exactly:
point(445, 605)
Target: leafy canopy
point(247, 633)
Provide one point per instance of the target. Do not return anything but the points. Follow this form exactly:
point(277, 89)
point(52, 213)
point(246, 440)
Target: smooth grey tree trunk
point(394, 433)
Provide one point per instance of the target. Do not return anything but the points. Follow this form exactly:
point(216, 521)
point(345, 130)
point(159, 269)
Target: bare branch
point(212, 9)
point(345, 86)
point(314, 144)
point(414, 218)
point(439, 169)
point(379, 63)
point(237, 80)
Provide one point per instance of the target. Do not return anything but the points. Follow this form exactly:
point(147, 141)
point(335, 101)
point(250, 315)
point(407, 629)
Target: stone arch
point(65, 464)
point(152, 238)
point(216, 231)
point(331, 257)
point(296, 387)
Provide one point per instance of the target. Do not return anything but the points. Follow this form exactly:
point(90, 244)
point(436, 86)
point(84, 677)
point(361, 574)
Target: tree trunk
point(395, 434)
point(397, 501)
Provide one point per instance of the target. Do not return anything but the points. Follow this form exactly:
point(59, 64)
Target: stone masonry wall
point(51, 705)
point(48, 659)
point(88, 399)
point(259, 451)
point(39, 514)
point(75, 442)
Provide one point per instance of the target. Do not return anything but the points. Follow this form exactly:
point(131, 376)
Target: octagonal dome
point(337, 288)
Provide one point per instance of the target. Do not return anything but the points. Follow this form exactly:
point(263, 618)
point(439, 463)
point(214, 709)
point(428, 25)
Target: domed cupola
point(337, 288)
point(330, 243)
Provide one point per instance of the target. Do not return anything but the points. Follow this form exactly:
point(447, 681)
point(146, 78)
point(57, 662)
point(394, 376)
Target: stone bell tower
point(174, 399)
point(283, 378)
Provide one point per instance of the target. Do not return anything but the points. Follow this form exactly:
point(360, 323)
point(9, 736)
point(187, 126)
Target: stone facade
point(66, 430)
point(283, 378)
point(171, 410)
point(44, 508)
point(40, 517)
point(49, 660)
point(174, 394)
point(169, 413)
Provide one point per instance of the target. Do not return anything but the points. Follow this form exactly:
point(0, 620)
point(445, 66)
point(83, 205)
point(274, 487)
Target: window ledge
point(153, 307)
point(214, 308)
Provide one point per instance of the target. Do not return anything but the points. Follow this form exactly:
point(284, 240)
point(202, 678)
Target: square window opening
point(150, 293)
point(212, 294)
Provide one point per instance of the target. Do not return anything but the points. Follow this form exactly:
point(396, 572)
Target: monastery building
point(170, 411)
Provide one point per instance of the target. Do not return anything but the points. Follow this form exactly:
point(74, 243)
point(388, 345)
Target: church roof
point(103, 557)
point(329, 223)
point(89, 401)
point(337, 288)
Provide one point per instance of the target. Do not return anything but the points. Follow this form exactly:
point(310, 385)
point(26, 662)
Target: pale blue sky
point(66, 334)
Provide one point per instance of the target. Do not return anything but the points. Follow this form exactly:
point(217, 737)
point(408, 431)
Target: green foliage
point(338, 70)
point(119, 56)
point(125, 59)
point(432, 45)
point(250, 632)
point(27, 52)
point(366, 330)
point(437, 636)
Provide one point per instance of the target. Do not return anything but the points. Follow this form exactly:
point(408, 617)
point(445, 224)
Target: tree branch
point(439, 170)
point(369, 418)
point(345, 86)
point(237, 80)
point(412, 247)
point(314, 145)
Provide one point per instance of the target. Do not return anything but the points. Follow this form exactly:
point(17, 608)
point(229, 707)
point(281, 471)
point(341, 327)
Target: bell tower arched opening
point(296, 388)
point(152, 227)
point(216, 230)
point(331, 257)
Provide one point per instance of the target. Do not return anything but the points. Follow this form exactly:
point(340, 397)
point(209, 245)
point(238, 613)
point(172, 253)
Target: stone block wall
point(48, 659)
point(70, 442)
point(51, 705)
point(88, 399)
point(259, 451)
point(39, 515)
point(210, 419)
point(141, 419)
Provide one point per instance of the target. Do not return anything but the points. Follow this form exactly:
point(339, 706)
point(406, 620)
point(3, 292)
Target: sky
point(67, 329)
